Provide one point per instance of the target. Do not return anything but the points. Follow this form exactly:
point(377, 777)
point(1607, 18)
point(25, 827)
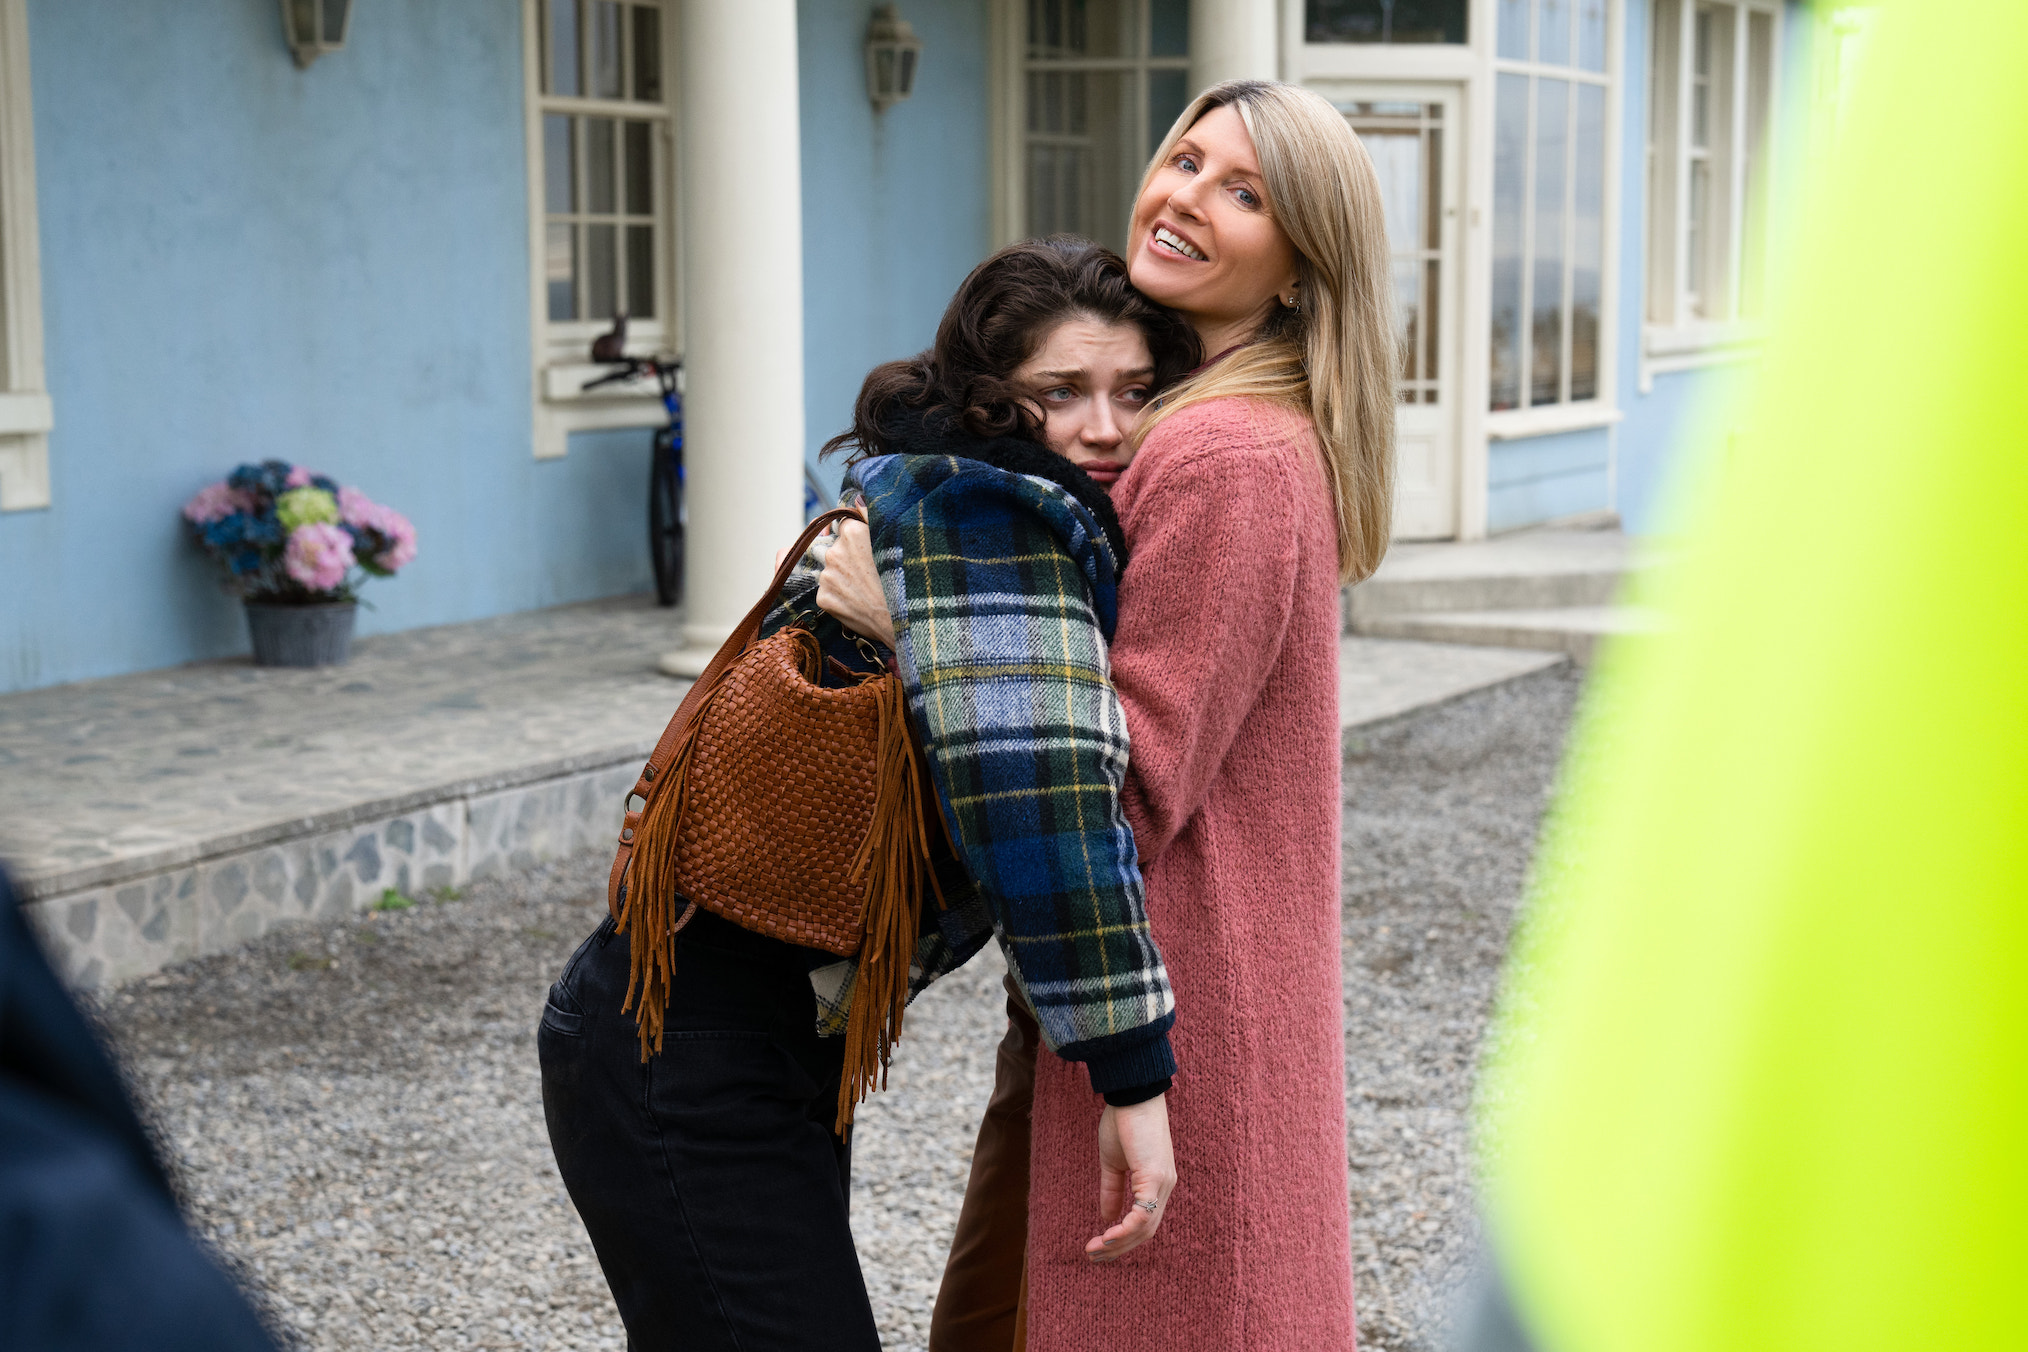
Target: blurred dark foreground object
point(93, 1255)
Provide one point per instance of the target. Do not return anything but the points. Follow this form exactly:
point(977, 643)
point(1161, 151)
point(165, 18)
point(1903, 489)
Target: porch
point(167, 815)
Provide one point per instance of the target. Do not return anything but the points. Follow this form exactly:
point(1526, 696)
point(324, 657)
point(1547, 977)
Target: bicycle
point(666, 515)
point(665, 464)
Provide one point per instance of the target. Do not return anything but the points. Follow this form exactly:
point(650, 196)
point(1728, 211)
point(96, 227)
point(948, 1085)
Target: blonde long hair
point(1335, 358)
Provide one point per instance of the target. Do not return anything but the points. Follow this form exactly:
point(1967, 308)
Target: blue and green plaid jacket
point(1003, 589)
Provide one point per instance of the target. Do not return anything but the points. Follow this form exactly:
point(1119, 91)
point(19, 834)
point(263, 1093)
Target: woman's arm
point(1202, 612)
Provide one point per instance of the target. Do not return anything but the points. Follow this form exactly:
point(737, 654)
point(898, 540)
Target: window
point(1549, 179)
point(600, 149)
point(1101, 83)
point(1711, 92)
point(24, 405)
point(1384, 21)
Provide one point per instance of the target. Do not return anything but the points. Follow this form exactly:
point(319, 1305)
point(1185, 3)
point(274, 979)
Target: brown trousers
point(982, 1305)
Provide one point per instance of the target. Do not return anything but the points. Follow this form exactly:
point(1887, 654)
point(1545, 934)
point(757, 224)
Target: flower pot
point(301, 636)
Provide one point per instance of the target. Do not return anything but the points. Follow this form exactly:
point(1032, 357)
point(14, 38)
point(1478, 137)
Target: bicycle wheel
point(665, 520)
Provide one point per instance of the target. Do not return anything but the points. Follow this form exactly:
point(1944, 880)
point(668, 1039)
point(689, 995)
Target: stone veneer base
point(116, 931)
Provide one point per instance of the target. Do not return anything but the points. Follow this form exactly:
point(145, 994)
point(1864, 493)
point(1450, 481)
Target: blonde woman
point(1262, 483)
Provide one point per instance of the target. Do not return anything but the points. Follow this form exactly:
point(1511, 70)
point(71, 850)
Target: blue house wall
point(242, 260)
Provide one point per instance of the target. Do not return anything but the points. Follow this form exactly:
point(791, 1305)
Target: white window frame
point(26, 414)
point(560, 352)
point(1008, 88)
point(1602, 409)
point(1672, 337)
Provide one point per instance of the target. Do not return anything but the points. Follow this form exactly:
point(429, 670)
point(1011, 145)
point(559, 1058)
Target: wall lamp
point(314, 27)
point(891, 52)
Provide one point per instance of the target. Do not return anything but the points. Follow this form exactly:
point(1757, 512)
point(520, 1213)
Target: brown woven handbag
point(793, 810)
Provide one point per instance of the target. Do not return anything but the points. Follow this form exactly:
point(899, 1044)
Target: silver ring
point(1149, 1207)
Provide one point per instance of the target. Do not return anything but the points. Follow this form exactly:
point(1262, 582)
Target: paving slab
point(1383, 678)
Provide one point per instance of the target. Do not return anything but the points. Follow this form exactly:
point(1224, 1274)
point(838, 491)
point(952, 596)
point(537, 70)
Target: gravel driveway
point(356, 1109)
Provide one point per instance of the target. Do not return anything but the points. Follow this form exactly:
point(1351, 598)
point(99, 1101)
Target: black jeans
point(708, 1176)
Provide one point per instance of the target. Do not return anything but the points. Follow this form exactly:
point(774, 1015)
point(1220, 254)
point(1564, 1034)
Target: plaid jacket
point(1003, 590)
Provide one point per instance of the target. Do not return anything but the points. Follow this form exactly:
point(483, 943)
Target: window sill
point(1694, 347)
point(1515, 424)
point(561, 407)
point(1683, 340)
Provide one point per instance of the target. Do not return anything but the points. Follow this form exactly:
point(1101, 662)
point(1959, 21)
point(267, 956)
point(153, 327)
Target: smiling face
point(1090, 381)
point(1203, 241)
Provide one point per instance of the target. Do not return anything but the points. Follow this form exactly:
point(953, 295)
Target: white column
point(1233, 40)
point(741, 227)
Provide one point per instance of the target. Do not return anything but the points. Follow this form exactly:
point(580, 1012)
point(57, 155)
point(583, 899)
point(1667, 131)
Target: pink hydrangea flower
point(355, 508)
point(400, 533)
point(319, 555)
point(214, 502)
point(300, 477)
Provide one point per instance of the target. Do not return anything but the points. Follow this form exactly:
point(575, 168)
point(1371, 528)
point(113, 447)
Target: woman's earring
point(1292, 302)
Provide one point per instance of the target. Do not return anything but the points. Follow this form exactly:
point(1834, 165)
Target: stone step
point(1572, 630)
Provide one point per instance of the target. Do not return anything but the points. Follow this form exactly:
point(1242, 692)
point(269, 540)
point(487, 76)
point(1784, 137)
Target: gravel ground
point(1441, 811)
point(356, 1115)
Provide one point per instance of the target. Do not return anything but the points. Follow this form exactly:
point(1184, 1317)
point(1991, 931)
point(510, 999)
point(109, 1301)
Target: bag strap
point(650, 778)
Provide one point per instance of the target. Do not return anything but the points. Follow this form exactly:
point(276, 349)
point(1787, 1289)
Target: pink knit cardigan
point(1226, 658)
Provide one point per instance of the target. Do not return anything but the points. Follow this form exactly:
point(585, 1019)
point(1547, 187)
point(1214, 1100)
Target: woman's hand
point(849, 586)
point(1137, 1165)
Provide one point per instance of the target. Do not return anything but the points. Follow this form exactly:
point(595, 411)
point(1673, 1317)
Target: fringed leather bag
point(799, 812)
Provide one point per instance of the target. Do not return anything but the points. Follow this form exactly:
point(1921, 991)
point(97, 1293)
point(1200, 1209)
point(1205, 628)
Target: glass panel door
point(1411, 133)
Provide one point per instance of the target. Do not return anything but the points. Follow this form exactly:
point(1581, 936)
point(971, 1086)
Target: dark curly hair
point(999, 316)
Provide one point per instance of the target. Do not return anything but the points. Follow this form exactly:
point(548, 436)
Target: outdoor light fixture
point(315, 27)
point(891, 51)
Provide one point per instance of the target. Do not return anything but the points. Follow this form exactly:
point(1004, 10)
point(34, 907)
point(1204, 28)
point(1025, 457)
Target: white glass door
point(1415, 135)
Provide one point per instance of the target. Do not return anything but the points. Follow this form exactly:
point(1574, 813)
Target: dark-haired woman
point(709, 1176)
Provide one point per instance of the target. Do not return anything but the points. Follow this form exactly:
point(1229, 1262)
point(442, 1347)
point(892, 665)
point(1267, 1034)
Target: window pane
point(1591, 34)
point(1168, 95)
point(605, 50)
point(1397, 157)
point(1545, 327)
point(559, 269)
point(1169, 28)
point(601, 282)
point(1552, 32)
point(1759, 84)
point(1510, 192)
point(1082, 162)
point(1407, 316)
point(559, 163)
point(647, 54)
point(563, 48)
point(1587, 240)
point(334, 22)
point(640, 169)
point(600, 151)
point(1700, 89)
point(1384, 20)
point(641, 271)
point(1514, 29)
point(1058, 29)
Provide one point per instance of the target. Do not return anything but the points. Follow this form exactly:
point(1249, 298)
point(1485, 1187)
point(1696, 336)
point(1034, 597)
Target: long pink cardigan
point(1226, 658)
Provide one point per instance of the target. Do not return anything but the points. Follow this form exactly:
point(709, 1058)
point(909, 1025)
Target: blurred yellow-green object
point(1761, 1070)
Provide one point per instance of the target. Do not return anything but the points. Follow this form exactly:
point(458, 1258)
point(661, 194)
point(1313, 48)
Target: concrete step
point(1530, 570)
point(1572, 630)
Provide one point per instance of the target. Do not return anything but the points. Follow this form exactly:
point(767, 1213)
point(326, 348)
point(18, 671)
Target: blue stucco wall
point(243, 260)
point(1539, 479)
point(895, 204)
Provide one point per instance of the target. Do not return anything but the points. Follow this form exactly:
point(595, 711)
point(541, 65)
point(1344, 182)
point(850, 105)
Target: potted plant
point(295, 547)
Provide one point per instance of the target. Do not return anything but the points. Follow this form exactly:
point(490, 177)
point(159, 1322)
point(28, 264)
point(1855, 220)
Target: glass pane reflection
point(1410, 21)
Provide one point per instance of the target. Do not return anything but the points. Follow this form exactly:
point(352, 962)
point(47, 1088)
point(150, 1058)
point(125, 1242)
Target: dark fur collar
point(914, 432)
